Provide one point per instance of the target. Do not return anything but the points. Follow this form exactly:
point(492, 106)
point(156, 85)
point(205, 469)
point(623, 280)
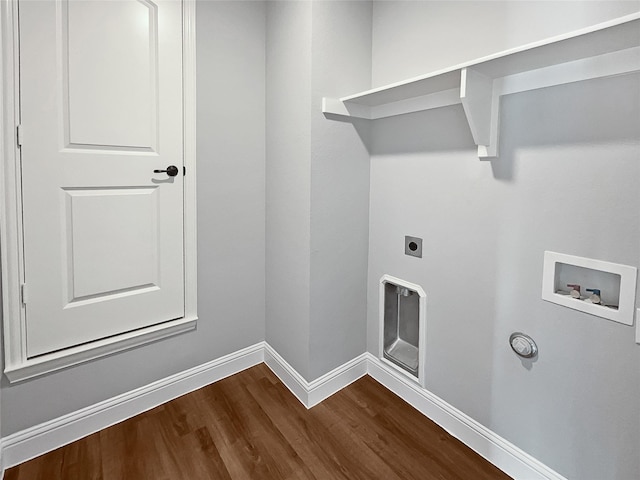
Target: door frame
point(17, 366)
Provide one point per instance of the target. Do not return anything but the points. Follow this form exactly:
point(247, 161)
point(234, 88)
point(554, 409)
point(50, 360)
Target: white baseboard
point(32, 442)
point(500, 452)
point(312, 393)
point(286, 373)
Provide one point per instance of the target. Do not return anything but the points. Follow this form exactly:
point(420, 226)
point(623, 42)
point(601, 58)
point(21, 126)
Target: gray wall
point(288, 181)
point(566, 181)
point(231, 239)
point(341, 54)
point(317, 184)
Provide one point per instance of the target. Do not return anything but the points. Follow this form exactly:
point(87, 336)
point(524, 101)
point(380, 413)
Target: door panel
point(101, 108)
point(122, 246)
point(111, 71)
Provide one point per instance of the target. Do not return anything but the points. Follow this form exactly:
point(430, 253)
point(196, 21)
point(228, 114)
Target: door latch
point(171, 170)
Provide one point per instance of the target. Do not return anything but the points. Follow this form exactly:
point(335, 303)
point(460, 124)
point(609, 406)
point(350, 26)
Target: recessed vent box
point(604, 289)
point(402, 326)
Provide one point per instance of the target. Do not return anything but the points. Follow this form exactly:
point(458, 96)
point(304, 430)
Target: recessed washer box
point(616, 282)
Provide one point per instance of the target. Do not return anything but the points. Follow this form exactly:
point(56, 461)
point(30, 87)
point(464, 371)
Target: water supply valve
point(595, 295)
point(575, 290)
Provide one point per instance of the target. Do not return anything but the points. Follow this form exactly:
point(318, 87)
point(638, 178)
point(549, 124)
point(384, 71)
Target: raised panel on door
point(117, 255)
point(101, 106)
point(125, 63)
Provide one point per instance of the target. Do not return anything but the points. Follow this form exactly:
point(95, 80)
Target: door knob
point(171, 170)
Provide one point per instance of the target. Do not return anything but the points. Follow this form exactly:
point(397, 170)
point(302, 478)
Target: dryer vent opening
point(401, 325)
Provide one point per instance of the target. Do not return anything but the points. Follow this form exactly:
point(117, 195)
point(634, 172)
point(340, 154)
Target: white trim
point(323, 387)
point(189, 139)
point(34, 367)
point(17, 366)
point(498, 451)
point(32, 442)
point(312, 393)
point(286, 373)
point(12, 275)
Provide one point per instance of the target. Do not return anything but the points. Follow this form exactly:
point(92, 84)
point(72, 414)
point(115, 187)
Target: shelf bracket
point(481, 104)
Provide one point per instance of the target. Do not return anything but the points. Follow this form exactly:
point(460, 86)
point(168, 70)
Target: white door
point(101, 109)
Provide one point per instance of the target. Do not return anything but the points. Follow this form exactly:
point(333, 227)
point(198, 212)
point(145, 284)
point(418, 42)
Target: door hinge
point(23, 293)
point(19, 135)
point(184, 171)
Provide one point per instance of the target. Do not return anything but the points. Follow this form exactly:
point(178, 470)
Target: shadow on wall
point(573, 114)
point(579, 112)
point(360, 125)
point(438, 130)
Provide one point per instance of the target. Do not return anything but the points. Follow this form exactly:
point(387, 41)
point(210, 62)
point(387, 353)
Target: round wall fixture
point(523, 345)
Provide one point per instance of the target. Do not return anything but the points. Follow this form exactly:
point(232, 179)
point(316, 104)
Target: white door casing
point(108, 262)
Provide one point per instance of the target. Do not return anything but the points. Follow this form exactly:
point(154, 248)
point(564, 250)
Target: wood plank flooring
point(249, 426)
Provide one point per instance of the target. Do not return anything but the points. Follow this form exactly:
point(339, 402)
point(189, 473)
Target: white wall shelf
point(607, 49)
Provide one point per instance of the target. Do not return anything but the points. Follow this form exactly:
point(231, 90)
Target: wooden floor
point(249, 426)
